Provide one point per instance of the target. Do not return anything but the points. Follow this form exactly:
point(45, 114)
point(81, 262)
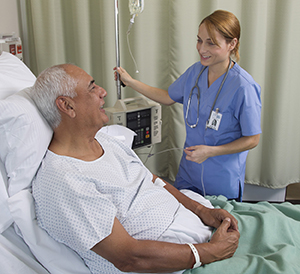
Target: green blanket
point(269, 242)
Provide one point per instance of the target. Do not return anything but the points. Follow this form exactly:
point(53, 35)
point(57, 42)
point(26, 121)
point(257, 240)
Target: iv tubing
point(176, 148)
point(128, 44)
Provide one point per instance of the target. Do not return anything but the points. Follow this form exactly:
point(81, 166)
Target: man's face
point(89, 101)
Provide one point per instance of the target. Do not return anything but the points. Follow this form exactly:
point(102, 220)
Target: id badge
point(214, 120)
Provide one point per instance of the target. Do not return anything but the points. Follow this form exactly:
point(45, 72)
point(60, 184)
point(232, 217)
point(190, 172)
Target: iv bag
point(136, 6)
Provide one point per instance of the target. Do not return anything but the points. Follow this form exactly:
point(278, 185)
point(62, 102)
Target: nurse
point(222, 108)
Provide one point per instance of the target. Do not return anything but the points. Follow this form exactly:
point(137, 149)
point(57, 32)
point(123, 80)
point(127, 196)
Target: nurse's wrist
point(130, 83)
point(213, 151)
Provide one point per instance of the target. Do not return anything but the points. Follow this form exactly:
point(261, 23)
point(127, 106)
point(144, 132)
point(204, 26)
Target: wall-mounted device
point(140, 115)
point(12, 44)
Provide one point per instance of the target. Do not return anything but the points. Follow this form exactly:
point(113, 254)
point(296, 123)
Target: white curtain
point(163, 42)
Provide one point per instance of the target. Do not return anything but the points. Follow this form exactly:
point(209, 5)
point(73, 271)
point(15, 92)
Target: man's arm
point(130, 255)
point(211, 217)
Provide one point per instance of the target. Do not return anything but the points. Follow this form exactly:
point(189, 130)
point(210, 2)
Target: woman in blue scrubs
point(222, 108)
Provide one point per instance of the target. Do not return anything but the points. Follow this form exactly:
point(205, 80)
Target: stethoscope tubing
point(198, 96)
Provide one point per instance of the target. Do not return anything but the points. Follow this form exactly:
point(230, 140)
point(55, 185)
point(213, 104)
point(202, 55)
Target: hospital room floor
point(293, 193)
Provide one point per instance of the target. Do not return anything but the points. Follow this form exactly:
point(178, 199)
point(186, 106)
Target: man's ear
point(65, 105)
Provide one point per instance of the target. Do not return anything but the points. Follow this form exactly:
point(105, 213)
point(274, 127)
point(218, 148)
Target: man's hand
point(214, 217)
point(222, 245)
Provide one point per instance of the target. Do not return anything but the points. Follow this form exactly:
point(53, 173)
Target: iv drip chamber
point(136, 6)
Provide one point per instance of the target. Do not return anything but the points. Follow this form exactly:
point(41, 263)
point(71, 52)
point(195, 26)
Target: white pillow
point(122, 133)
point(5, 216)
point(14, 75)
point(24, 139)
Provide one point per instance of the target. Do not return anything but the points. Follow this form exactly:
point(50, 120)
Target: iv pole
point(117, 47)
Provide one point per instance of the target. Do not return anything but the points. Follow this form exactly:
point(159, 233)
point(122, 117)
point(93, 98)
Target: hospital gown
point(77, 201)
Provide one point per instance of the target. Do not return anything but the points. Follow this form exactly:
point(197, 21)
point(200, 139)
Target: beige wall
point(9, 17)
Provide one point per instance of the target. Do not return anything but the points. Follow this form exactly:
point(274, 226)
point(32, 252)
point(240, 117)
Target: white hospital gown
point(77, 201)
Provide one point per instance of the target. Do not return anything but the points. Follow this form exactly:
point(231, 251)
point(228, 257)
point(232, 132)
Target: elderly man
point(93, 194)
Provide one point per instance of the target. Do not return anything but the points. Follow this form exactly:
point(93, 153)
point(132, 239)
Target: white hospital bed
point(269, 243)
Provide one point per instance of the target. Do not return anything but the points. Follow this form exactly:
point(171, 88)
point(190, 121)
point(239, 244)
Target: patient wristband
point(196, 255)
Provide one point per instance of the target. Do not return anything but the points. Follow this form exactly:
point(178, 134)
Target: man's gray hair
point(50, 84)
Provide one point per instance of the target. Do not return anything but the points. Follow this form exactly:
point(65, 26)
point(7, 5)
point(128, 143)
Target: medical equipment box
point(140, 115)
point(12, 44)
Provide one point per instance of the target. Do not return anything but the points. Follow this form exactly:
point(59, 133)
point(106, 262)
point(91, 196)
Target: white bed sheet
point(16, 257)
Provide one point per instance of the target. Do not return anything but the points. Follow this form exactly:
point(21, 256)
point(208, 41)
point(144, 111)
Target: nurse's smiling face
point(213, 54)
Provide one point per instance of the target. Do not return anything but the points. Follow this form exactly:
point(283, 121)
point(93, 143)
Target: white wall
point(9, 17)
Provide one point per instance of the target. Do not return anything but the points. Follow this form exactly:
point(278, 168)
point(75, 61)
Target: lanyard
point(198, 96)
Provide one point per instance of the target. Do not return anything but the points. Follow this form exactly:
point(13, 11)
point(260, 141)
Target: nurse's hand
point(124, 76)
point(198, 154)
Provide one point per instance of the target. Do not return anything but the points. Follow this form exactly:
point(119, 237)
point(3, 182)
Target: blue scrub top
point(240, 105)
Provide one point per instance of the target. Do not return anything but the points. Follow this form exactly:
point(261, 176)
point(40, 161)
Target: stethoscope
point(198, 96)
